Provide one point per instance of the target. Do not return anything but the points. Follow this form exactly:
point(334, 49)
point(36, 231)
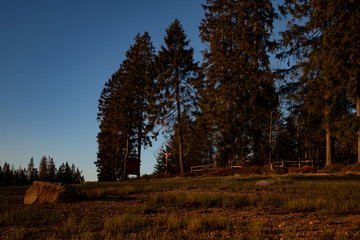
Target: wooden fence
point(200, 168)
point(239, 163)
point(286, 163)
point(276, 163)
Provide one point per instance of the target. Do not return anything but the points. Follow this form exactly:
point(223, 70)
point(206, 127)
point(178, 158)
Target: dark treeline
point(235, 105)
point(47, 171)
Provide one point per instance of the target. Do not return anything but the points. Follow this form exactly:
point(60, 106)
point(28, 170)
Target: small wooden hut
point(132, 166)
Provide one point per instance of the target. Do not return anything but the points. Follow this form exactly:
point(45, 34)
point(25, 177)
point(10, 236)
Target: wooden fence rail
point(208, 167)
point(292, 163)
point(282, 163)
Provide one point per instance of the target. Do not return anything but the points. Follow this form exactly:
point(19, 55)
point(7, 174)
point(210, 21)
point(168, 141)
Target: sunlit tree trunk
point(328, 147)
point(358, 133)
point(178, 106)
point(140, 134)
point(328, 133)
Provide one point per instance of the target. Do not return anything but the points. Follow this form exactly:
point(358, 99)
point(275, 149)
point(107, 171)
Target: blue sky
point(56, 55)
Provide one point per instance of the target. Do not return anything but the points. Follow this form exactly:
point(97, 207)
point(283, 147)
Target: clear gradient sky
point(55, 57)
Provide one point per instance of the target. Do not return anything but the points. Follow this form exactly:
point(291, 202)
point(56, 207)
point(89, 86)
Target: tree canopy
point(236, 105)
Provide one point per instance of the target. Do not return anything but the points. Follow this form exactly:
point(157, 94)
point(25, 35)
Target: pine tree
point(138, 65)
point(238, 75)
point(31, 171)
point(175, 69)
point(21, 178)
point(51, 170)
point(1, 177)
point(160, 165)
point(320, 36)
point(43, 169)
point(345, 54)
point(109, 139)
point(123, 108)
point(7, 175)
point(60, 174)
point(68, 175)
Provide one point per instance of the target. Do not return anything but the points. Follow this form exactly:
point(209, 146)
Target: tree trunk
point(178, 108)
point(270, 136)
point(124, 176)
point(181, 161)
point(140, 134)
point(358, 133)
point(139, 143)
point(328, 133)
point(328, 147)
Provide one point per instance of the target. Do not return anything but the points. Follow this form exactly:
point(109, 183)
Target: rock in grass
point(48, 192)
point(264, 183)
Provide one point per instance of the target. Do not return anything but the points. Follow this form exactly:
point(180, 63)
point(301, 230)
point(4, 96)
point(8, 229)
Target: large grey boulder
point(48, 192)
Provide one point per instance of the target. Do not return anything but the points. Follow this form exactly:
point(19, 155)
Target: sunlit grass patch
point(196, 199)
point(169, 226)
point(257, 230)
point(75, 227)
point(121, 225)
point(199, 223)
point(101, 190)
point(323, 197)
point(105, 189)
point(15, 215)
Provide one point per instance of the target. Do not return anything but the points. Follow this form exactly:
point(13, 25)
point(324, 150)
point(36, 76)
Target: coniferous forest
point(236, 104)
point(47, 171)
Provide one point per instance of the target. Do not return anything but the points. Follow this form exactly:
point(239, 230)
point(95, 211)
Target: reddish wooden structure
point(132, 166)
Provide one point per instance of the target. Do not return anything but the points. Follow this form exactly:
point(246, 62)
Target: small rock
point(264, 183)
point(48, 192)
point(229, 180)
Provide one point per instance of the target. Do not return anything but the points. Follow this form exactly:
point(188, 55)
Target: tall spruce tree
point(138, 66)
point(238, 75)
point(175, 69)
point(321, 36)
point(345, 54)
point(31, 171)
point(51, 170)
point(43, 173)
point(123, 105)
point(113, 112)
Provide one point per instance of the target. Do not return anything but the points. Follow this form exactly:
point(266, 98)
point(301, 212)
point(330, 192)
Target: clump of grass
point(342, 235)
point(15, 215)
point(163, 225)
point(323, 197)
point(121, 225)
point(203, 200)
point(75, 228)
point(257, 230)
point(102, 191)
point(289, 234)
point(17, 234)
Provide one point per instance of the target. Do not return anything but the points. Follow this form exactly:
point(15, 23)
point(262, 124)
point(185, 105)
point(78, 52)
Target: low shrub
point(280, 170)
point(221, 172)
point(254, 170)
point(335, 167)
point(303, 169)
point(351, 168)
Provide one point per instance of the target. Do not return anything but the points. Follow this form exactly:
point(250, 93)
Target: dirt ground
point(274, 225)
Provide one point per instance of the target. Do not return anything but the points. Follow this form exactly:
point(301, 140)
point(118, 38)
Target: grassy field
point(295, 207)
